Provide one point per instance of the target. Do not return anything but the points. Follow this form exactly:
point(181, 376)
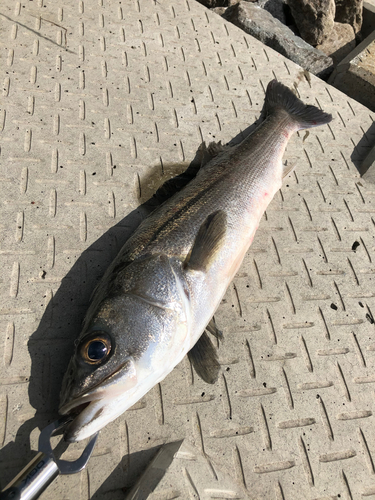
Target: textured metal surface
point(187, 473)
point(99, 100)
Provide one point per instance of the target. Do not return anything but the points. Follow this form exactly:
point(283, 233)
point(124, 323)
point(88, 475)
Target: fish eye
point(96, 347)
point(97, 350)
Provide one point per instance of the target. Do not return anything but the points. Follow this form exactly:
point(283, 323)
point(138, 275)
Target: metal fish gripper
point(45, 467)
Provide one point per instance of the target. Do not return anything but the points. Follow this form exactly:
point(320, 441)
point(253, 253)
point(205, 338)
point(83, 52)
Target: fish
point(156, 301)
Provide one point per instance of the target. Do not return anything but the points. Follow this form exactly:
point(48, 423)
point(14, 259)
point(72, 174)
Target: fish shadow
point(51, 345)
point(362, 148)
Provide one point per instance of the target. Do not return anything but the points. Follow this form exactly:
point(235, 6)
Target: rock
point(340, 42)
point(263, 26)
point(274, 7)
point(219, 10)
point(350, 12)
point(314, 18)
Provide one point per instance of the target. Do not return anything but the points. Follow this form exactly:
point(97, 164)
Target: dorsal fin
point(211, 151)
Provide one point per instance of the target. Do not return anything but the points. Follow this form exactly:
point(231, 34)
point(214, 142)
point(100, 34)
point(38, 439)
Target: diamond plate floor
point(101, 100)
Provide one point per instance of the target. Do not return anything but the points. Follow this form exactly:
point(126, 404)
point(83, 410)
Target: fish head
point(132, 341)
point(100, 370)
point(96, 361)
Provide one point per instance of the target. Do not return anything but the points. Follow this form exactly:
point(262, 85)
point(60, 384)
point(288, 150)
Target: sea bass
point(160, 293)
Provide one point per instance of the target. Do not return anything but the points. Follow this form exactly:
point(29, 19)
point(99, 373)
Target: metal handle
point(32, 480)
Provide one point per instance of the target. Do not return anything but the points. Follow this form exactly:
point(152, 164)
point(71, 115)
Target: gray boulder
point(314, 18)
point(274, 7)
point(263, 26)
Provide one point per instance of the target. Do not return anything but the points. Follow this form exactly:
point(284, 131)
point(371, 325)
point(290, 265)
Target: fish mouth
point(85, 396)
point(83, 415)
point(90, 405)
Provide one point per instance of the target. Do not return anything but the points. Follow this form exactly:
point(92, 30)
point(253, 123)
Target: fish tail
point(279, 97)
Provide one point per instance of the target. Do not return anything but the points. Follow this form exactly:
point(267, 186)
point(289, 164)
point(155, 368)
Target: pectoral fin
point(203, 357)
point(208, 242)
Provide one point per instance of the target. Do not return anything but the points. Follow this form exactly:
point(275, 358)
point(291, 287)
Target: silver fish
point(157, 297)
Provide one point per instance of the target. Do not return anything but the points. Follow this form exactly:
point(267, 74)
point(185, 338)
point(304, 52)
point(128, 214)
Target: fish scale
point(158, 296)
point(234, 176)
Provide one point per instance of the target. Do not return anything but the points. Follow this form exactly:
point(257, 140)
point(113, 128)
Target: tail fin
point(278, 96)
